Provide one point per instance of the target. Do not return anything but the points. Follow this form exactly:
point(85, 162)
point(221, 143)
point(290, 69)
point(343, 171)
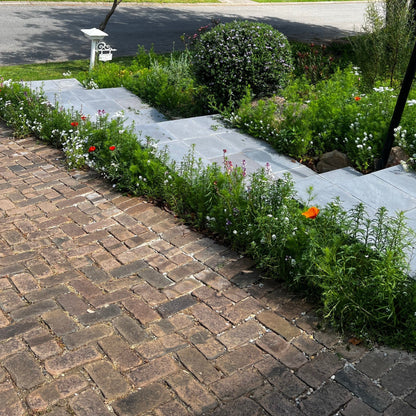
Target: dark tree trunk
point(103, 24)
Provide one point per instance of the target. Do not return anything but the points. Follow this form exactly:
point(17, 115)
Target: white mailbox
point(95, 35)
point(105, 52)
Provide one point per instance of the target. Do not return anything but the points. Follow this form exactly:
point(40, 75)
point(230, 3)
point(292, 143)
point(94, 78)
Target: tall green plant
point(383, 51)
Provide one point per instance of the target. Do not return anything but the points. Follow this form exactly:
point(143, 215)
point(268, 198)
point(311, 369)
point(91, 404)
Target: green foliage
point(354, 266)
point(232, 56)
point(314, 62)
point(170, 87)
point(383, 52)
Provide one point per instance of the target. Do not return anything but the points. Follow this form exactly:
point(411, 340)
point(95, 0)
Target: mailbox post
point(95, 35)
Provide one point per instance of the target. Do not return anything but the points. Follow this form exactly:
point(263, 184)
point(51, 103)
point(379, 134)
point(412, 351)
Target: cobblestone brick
point(174, 306)
point(237, 384)
point(281, 377)
point(240, 407)
point(151, 295)
point(320, 369)
point(10, 402)
point(95, 274)
point(185, 271)
point(71, 359)
point(49, 394)
point(10, 301)
point(153, 371)
point(59, 322)
point(399, 408)
point(210, 319)
point(10, 347)
point(104, 314)
point(87, 335)
point(213, 280)
point(326, 401)
point(240, 358)
point(282, 350)
point(192, 393)
point(25, 370)
point(109, 381)
point(241, 311)
point(277, 405)
point(128, 269)
point(141, 310)
point(198, 365)
point(375, 363)
point(356, 407)
point(88, 403)
point(363, 388)
point(400, 379)
point(411, 399)
point(16, 329)
point(145, 399)
point(172, 408)
point(307, 344)
point(25, 282)
point(248, 331)
point(205, 342)
point(278, 324)
point(130, 329)
point(154, 278)
point(85, 288)
point(73, 304)
point(120, 353)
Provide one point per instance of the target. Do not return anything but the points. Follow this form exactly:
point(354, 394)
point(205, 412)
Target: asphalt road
point(42, 32)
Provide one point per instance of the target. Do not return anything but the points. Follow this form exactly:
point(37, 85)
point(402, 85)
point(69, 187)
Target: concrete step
point(339, 176)
point(71, 95)
point(318, 190)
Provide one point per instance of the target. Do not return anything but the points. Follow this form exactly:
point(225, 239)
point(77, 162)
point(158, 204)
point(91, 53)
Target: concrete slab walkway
point(110, 306)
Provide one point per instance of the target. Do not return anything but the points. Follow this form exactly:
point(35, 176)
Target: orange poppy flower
point(312, 212)
point(357, 98)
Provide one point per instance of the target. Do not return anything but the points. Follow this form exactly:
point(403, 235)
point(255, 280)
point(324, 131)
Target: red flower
point(357, 98)
point(91, 149)
point(112, 148)
point(312, 212)
point(74, 123)
point(83, 118)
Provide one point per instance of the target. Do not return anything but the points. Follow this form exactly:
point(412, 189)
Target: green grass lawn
point(51, 70)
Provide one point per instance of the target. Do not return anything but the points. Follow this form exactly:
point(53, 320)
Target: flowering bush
point(232, 56)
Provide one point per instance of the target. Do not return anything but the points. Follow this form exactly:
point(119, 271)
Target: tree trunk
point(103, 24)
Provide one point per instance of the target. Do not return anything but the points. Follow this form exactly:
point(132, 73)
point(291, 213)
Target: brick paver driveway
point(109, 305)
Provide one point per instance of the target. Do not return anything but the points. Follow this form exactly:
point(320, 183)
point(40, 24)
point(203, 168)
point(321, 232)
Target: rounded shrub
point(232, 56)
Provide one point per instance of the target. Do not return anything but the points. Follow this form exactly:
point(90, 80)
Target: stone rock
point(332, 161)
point(397, 154)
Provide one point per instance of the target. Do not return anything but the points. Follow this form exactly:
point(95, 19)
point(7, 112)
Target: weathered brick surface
point(49, 394)
point(364, 388)
point(198, 398)
point(320, 369)
point(143, 400)
point(198, 365)
point(282, 350)
point(25, 370)
point(120, 353)
point(326, 401)
point(109, 381)
point(10, 402)
point(71, 359)
point(237, 384)
point(89, 403)
point(102, 315)
point(153, 371)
